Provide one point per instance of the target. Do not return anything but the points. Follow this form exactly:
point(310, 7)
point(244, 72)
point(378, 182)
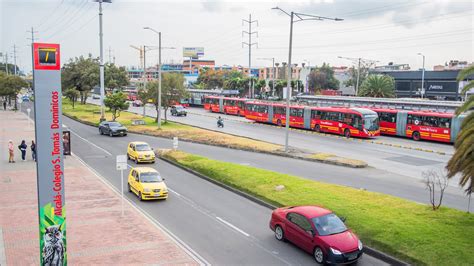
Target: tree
point(115, 77)
point(11, 68)
point(11, 85)
point(211, 79)
point(322, 78)
point(435, 181)
point(72, 94)
point(462, 161)
point(379, 86)
point(172, 91)
point(364, 72)
point(116, 102)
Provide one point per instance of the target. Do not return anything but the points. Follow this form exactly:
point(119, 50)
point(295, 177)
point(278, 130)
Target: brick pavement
point(96, 232)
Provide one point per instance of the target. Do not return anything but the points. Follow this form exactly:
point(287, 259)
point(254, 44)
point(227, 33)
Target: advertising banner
point(49, 148)
point(194, 52)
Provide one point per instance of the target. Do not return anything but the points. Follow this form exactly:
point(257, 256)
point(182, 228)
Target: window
point(347, 118)
point(315, 114)
point(298, 112)
point(333, 116)
point(279, 110)
point(299, 220)
point(445, 122)
point(329, 224)
point(429, 121)
point(356, 122)
point(414, 119)
point(388, 117)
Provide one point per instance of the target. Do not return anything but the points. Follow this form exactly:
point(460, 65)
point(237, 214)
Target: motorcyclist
point(220, 122)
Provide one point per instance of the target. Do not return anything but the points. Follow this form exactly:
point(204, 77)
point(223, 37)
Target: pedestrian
point(22, 148)
point(33, 150)
point(11, 153)
point(5, 105)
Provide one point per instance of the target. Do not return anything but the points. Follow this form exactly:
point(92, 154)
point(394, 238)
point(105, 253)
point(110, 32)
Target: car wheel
point(279, 235)
point(185, 114)
point(125, 134)
point(317, 128)
point(110, 134)
point(101, 132)
point(140, 196)
point(129, 188)
point(279, 122)
point(347, 133)
point(416, 135)
point(318, 255)
point(128, 156)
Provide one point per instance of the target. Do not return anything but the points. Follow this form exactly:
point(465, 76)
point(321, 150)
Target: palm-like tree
point(463, 159)
point(380, 86)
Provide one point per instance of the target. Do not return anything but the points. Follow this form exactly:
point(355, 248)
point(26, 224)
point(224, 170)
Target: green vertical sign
point(49, 150)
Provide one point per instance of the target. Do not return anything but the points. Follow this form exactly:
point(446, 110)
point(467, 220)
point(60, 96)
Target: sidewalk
point(96, 232)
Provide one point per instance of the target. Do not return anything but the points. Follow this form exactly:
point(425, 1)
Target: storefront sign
point(49, 149)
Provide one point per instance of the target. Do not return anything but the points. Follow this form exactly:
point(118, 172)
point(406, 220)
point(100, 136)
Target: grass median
point(90, 114)
point(405, 229)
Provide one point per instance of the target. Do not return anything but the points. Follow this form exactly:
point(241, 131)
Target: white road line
point(193, 254)
point(233, 226)
point(100, 148)
point(177, 194)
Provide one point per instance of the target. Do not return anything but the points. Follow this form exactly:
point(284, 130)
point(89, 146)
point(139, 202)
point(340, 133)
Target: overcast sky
point(387, 31)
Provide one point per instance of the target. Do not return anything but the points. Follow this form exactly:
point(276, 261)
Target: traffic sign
point(122, 162)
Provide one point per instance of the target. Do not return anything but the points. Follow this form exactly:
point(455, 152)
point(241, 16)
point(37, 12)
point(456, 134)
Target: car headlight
point(335, 251)
point(146, 190)
point(360, 245)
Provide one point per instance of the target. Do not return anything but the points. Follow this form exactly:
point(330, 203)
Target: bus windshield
point(371, 122)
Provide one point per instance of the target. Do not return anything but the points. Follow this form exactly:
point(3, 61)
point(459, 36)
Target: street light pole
point(300, 17)
point(158, 113)
point(101, 63)
point(422, 77)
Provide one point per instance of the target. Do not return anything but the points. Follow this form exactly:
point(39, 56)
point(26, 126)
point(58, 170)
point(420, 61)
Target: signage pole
point(121, 181)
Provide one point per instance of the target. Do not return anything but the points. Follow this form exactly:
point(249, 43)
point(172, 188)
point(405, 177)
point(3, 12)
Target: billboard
point(49, 152)
point(193, 52)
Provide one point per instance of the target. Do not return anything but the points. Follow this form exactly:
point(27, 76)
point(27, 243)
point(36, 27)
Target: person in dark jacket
point(22, 148)
point(33, 150)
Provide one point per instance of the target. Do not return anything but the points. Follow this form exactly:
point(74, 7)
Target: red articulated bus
point(226, 105)
point(419, 125)
point(356, 122)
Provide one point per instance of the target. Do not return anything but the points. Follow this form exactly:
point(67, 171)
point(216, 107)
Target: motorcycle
point(220, 123)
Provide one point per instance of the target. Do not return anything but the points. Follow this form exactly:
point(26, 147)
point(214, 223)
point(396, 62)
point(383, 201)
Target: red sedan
point(318, 231)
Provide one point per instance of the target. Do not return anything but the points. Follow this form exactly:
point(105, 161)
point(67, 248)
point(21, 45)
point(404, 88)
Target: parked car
point(95, 96)
point(147, 183)
point(137, 103)
point(178, 110)
point(25, 98)
point(140, 152)
point(317, 231)
point(112, 129)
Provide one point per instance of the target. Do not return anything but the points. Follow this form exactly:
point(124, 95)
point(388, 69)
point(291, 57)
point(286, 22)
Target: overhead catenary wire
point(72, 20)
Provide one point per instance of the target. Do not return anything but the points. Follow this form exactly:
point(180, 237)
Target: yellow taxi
point(147, 183)
point(140, 152)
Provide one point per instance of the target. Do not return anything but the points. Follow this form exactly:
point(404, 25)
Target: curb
point(368, 250)
point(332, 162)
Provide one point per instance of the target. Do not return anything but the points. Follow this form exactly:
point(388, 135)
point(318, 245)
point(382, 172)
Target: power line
point(72, 19)
point(57, 22)
point(50, 15)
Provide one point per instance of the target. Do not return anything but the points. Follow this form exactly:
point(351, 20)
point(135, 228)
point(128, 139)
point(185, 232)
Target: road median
point(87, 114)
point(392, 225)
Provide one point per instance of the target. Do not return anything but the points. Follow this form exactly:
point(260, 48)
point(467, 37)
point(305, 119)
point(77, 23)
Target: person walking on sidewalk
point(33, 150)
point(11, 152)
point(22, 148)
point(5, 105)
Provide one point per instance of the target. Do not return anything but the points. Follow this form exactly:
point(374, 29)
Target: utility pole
point(299, 17)
point(6, 62)
point(14, 58)
point(250, 44)
point(32, 58)
point(101, 64)
point(422, 92)
point(359, 61)
point(110, 55)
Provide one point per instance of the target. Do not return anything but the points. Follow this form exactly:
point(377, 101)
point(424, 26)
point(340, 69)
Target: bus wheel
point(238, 113)
point(347, 133)
point(279, 122)
point(317, 128)
point(416, 135)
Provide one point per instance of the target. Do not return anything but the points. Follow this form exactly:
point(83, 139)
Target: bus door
point(270, 114)
point(402, 117)
point(456, 126)
point(221, 104)
point(307, 118)
point(296, 117)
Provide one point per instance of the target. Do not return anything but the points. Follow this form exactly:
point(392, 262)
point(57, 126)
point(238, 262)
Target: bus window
point(316, 114)
point(429, 121)
point(414, 119)
point(388, 117)
point(445, 122)
point(296, 112)
point(279, 110)
point(347, 118)
point(262, 109)
point(356, 121)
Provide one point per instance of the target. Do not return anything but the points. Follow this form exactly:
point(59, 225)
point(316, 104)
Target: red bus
point(419, 125)
point(226, 105)
point(356, 122)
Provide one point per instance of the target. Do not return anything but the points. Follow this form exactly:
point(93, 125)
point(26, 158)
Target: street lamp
point(422, 77)
point(273, 70)
point(101, 64)
point(158, 113)
point(300, 17)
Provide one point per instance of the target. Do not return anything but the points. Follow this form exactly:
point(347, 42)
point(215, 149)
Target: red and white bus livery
point(419, 125)
point(226, 105)
point(356, 122)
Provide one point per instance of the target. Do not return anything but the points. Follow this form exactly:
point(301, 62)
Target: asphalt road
point(220, 226)
point(393, 160)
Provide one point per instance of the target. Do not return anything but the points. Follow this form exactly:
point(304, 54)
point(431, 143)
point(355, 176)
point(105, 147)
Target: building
point(193, 66)
point(452, 65)
point(393, 67)
point(440, 85)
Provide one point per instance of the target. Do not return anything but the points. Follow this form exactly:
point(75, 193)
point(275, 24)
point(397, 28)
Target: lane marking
point(232, 226)
point(172, 191)
point(100, 148)
point(187, 249)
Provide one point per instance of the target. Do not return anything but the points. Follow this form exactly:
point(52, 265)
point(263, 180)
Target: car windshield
point(150, 177)
point(179, 108)
point(115, 124)
point(371, 122)
point(143, 147)
point(329, 224)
